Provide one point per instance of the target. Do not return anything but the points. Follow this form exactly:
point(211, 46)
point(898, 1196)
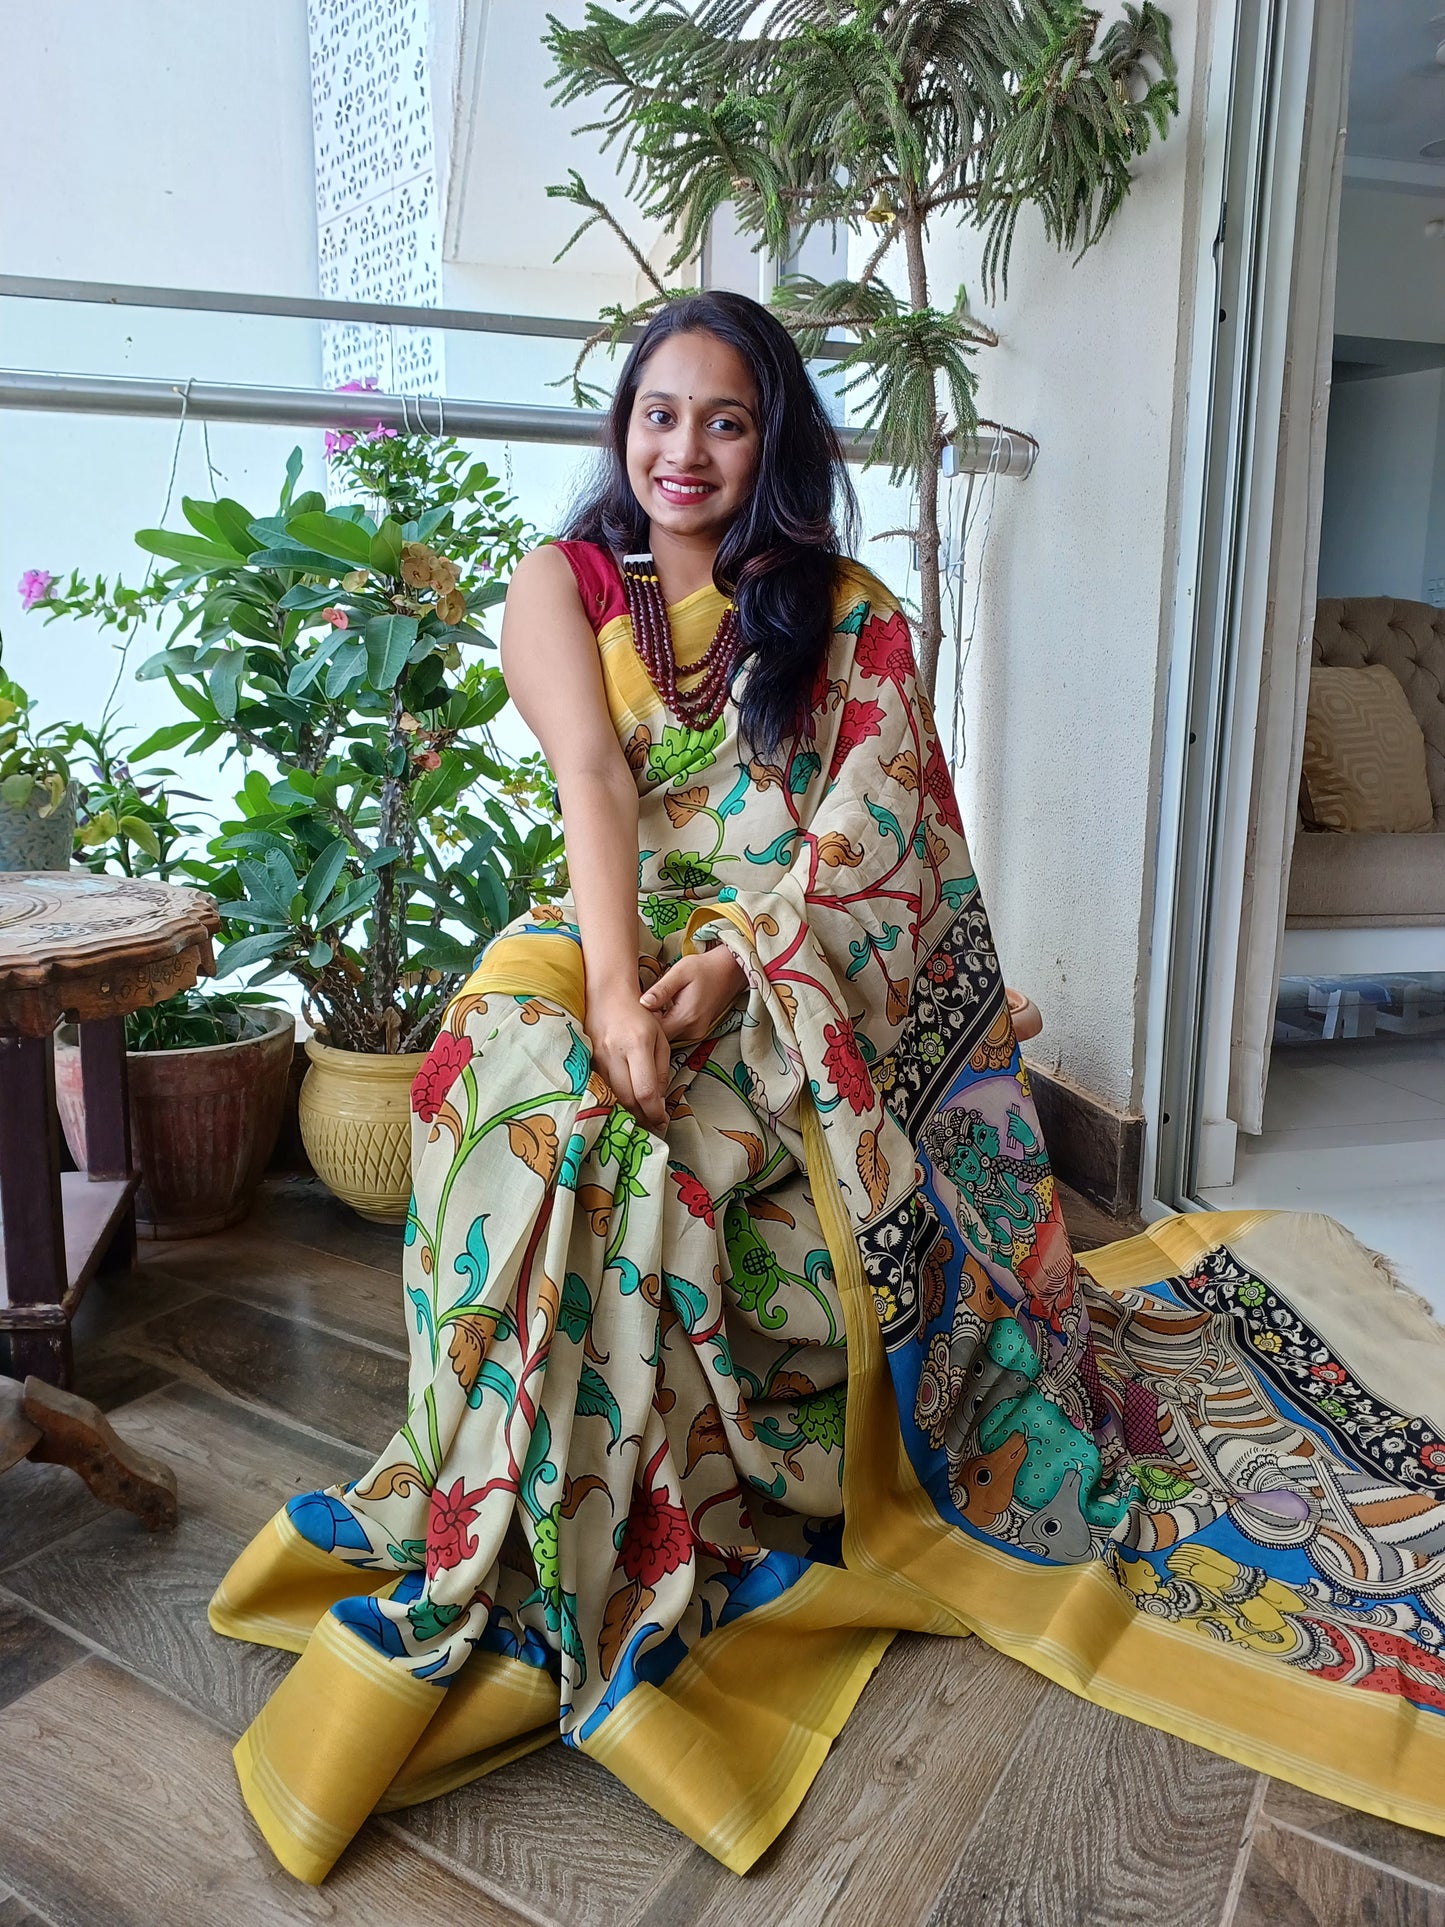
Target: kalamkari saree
point(697, 1421)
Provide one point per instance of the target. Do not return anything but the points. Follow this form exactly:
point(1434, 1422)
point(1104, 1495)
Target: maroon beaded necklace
point(702, 704)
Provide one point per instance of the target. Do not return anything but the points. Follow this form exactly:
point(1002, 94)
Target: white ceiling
point(1397, 87)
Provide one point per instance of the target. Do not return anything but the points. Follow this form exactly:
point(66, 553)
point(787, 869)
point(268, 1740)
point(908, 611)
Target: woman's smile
point(693, 438)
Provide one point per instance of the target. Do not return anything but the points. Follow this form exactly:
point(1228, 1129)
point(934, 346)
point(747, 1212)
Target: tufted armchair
point(1339, 880)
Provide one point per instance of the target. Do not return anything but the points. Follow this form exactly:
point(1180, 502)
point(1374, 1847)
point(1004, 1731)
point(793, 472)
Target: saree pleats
point(698, 1419)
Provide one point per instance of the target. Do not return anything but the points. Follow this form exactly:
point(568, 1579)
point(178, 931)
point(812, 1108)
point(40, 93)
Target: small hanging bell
point(882, 210)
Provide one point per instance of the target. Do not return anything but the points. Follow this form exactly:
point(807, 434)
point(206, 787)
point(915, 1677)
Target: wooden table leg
point(107, 1124)
point(34, 1229)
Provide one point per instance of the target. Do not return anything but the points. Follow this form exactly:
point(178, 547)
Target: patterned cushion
point(1409, 639)
point(1364, 755)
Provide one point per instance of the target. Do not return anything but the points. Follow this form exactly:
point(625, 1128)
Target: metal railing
point(995, 450)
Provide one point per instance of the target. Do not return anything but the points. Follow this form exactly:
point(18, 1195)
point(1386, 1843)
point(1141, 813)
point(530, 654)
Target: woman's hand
point(630, 1049)
point(691, 996)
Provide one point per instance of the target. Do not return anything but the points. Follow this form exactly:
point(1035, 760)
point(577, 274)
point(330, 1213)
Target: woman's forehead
point(700, 367)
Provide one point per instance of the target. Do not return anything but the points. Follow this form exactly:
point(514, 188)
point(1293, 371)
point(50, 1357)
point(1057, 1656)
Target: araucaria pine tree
point(876, 117)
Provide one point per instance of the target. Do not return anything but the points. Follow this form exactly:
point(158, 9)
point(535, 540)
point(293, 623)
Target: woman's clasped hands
point(632, 1036)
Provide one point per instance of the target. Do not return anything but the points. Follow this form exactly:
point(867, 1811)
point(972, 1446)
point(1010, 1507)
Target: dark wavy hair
point(778, 556)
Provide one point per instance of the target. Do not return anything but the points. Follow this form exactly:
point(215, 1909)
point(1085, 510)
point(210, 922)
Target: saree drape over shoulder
point(698, 1420)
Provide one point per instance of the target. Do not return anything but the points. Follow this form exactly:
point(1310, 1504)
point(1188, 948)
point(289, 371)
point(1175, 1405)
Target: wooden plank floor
point(965, 1792)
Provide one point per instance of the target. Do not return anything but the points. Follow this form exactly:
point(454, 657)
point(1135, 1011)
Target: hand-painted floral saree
point(697, 1421)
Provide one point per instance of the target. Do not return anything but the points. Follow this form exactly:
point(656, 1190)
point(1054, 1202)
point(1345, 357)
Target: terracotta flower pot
point(30, 841)
point(203, 1123)
point(356, 1126)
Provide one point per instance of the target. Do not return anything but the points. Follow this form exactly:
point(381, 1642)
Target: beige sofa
point(1344, 881)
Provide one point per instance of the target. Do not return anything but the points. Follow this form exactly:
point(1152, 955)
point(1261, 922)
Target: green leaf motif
point(689, 1300)
point(577, 1064)
point(575, 1311)
point(595, 1400)
point(475, 1262)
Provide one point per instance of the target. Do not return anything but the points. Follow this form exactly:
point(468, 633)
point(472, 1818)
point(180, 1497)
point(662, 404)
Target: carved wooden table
point(91, 948)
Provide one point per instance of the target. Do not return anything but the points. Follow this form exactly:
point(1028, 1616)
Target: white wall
point(1382, 452)
point(1063, 688)
point(1392, 274)
point(135, 146)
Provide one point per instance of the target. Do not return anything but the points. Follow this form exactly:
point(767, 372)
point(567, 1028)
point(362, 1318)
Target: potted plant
point(383, 836)
point(206, 1074)
point(37, 796)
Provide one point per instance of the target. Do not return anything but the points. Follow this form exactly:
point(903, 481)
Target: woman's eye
point(725, 422)
point(659, 417)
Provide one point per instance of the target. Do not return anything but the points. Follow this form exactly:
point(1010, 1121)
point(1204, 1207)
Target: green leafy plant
point(194, 1018)
point(34, 760)
point(876, 117)
point(128, 823)
point(383, 836)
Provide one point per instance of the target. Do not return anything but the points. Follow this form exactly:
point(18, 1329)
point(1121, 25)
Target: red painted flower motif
point(694, 1194)
point(860, 720)
point(1433, 1456)
point(884, 649)
point(847, 1066)
point(657, 1538)
point(447, 1059)
point(448, 1541)
point(1332, 1374)
point(938, 781)
point(940, 968)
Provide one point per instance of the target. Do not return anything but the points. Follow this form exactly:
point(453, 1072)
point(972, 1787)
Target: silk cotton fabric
point(697, 1420)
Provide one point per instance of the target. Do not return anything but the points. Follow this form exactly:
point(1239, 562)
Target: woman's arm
point(549, 657)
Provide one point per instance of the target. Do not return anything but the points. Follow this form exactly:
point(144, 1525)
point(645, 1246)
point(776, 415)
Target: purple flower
point(338, 441)
point(35, 586)
point(381, 433)
point(357, 387)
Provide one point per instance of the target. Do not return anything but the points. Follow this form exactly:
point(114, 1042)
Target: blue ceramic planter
point(30, 841)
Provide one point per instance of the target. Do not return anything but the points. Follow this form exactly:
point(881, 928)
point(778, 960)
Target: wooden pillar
point(107, 1123)
point(34, 1228)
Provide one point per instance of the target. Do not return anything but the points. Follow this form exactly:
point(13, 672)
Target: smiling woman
point(745, 1326)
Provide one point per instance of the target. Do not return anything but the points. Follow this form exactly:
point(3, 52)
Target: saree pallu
point(697, 1420)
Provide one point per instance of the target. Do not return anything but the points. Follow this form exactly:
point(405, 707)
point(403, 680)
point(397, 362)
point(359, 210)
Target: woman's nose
point(688, 445)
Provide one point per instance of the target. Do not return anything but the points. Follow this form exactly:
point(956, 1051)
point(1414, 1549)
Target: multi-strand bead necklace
point(703, 703)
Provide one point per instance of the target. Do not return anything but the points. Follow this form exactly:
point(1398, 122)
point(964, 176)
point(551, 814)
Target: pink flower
point(448, 1058)
point(860, 720)
point(357, 387)
point(428, 759)
point(35, 586)
point(883, 649)
point(657, 1538)
point(381, 433)
point(338, 618)
point(693, 1194)
point(338, 441)
point(847, 1066)
point(448, 1538)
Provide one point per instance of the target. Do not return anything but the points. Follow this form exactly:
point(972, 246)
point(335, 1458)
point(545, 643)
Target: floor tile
point(128, 1815)
point(1101, 1821)
point(1295, 1880)
point(351, 1393)
point(142, 1597)
point(297, 1280)
point(234, 1465)
point(31, 1650)
point(1421, 1855)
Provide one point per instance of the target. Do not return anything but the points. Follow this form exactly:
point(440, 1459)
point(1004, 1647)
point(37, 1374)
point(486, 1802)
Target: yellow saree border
point(533, 964)
point(348, 1732)
point(1074, 1624)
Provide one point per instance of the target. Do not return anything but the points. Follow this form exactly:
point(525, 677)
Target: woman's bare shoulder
point(542, 569)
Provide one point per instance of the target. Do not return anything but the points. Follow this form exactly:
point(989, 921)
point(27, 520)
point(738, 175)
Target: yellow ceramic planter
point(356, 1126)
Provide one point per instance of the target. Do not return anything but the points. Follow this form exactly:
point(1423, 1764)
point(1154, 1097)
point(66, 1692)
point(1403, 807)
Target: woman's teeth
point(684, 491)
